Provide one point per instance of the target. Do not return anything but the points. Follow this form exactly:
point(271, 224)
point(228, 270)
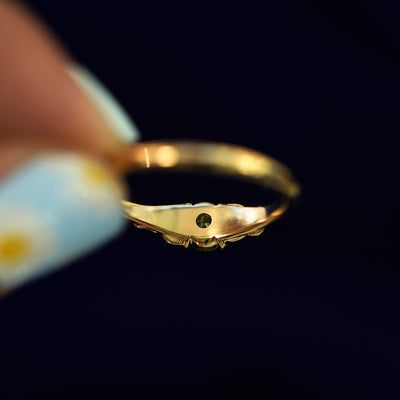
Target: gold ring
point(207, 226)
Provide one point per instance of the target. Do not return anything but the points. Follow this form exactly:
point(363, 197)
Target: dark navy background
point(310, 309)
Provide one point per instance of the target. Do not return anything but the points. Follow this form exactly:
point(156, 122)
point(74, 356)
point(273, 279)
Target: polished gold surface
point(205, 225)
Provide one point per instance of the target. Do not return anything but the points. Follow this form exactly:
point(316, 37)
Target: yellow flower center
point(95, 174)
point(14, 248)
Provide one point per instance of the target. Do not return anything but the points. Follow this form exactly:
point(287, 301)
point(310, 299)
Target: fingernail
point(54, 209)
point(105, 102)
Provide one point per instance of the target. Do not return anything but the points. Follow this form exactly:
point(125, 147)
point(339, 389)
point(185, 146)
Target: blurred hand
point(59, 127)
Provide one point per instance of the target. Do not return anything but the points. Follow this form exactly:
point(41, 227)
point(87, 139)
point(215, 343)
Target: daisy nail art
point(52, 210)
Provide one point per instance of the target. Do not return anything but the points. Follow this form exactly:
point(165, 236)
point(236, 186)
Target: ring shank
point(214, 158)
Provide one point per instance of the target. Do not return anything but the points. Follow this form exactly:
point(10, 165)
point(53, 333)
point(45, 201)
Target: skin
point(41, 107)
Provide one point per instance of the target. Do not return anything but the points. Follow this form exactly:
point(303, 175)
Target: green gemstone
point(203, 220)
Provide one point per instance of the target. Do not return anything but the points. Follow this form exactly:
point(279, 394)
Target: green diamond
point(203, 220)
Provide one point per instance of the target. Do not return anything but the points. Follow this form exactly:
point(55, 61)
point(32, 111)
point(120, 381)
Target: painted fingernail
point(52, 210)
point(105, 102)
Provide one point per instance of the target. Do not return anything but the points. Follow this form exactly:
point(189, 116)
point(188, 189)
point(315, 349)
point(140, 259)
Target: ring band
point(207, 226)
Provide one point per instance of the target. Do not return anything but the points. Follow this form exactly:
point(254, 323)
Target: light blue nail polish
point(52, 210)
point(105, 102)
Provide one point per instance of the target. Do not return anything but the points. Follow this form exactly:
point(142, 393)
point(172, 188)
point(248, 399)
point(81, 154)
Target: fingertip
point(48, 100)
point(111, 110)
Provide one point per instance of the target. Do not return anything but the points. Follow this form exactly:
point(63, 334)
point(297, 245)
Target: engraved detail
point(236, 238)
point(256, 233)
point(143, 226)
point(221, 243)
point(172, 239)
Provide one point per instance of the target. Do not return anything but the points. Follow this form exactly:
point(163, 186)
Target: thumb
point(55, 203)
point(47, 100)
